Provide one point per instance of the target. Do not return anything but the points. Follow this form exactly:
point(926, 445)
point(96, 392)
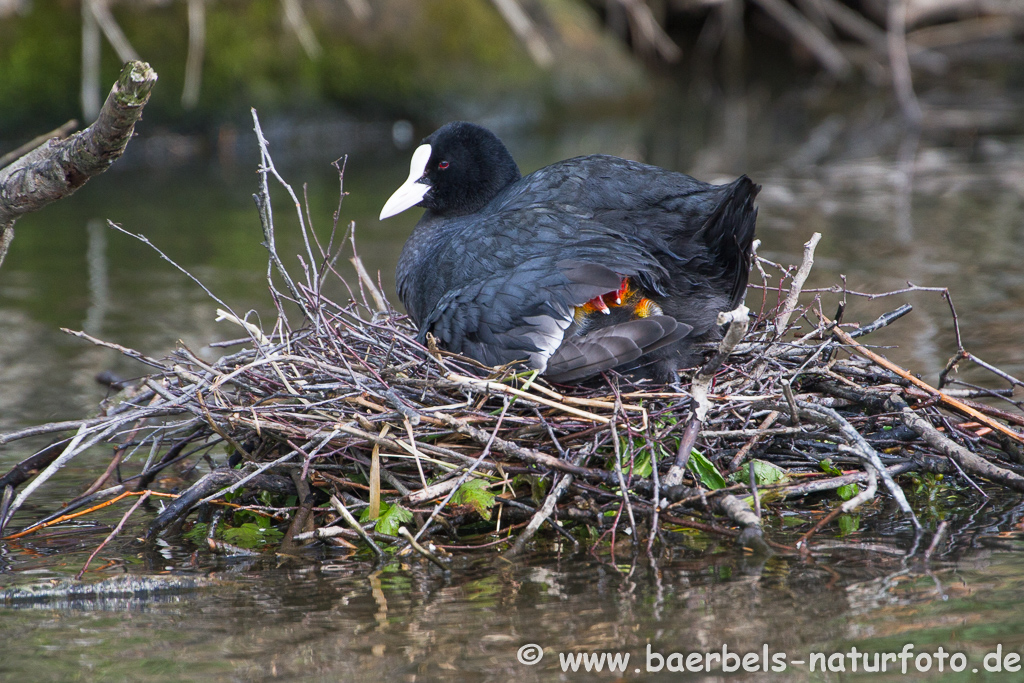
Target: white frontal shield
point(412, 191)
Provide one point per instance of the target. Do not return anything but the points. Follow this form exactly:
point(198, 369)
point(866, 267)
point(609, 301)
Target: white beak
point(412, 191)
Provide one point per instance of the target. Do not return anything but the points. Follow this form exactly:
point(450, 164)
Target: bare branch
point(809, 35)
point(526, 31)
point(798, 283)
point(60, 167)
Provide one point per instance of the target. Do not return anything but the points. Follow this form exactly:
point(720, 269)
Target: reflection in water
point(99, 290)
point(296, 619)
point(119, 594)
point(904, 186)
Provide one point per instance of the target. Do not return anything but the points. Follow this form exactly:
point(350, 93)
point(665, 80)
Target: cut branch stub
point(59, 167)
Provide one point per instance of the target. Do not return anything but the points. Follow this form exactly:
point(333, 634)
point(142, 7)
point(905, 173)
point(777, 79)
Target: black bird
point(586, 265)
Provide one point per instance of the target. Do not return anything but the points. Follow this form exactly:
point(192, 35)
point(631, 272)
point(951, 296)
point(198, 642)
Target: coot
point(586, 265)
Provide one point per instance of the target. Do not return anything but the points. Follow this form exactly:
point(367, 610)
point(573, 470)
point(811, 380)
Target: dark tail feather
point(729, 235)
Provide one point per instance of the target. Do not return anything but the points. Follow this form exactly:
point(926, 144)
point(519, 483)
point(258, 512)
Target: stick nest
point(345, 430)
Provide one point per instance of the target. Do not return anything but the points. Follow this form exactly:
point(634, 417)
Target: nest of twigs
point(345, 430)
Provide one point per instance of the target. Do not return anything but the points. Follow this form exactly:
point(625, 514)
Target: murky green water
point(955, 221)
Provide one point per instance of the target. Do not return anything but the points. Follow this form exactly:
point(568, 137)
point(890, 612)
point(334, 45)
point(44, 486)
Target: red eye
point(443, 165)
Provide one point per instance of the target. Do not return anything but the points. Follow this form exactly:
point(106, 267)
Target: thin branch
point(404, 533)
point(809, 35)
point(296, 20)
point(526, 31)
point(112, 31)
point(647, 33)
point(738, 320)
point(60, 133)
point(340, 508)
point(899, 61)
point(194, 57)
point(798, 282)
point(113, 534)
point(972, 463)
point(942, 396)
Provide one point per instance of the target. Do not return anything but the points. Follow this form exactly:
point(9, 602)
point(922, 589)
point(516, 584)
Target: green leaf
point(539, 489)
point(197, 534)
point(251, 535)
point(641, 460)
point(664, 452)
point(240, 517)
point(848, 491)
point(642, 465)
point(391, 517)
point(828, 468)
point(765, 473)
point(705, 470)
point(538, 485)
point(474, 493)
point(848, 524)
point(364, 514)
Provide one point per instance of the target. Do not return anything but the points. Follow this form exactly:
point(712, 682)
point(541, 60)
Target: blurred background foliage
point(437, 59)
point(394, 58)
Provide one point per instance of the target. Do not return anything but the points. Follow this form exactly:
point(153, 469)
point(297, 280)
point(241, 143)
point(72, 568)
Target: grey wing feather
point(610, 347)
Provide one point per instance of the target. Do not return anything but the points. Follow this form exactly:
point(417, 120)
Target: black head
point(455, 171)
